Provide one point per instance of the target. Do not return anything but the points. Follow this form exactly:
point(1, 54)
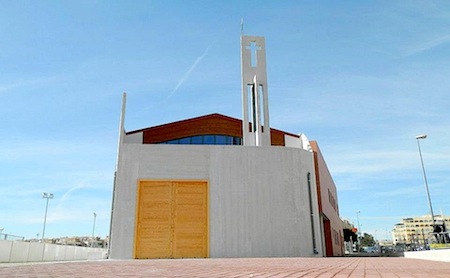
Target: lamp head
point(421, 136)
point(47, 195)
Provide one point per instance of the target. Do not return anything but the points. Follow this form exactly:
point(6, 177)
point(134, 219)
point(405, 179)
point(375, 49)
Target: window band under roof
point(206, 140)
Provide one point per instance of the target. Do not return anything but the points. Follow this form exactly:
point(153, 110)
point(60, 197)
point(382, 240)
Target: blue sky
point(363, 78)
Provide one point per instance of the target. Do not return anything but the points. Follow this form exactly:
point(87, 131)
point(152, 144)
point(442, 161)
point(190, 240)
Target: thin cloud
point(405, 191)
point(382, 217)
point(190, 70)
point(366, 162)
point(31, 82)
point(8, 87)
point(429, 45)
point(349, 187)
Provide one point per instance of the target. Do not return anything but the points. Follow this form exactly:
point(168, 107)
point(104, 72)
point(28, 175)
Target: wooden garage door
point(172, 219)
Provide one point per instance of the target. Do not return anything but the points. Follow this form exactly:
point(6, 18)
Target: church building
point(215, 186)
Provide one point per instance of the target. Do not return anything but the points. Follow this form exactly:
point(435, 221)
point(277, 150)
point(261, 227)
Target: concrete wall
point(442, 255)
point(136, 138)
point(259, 202)
point(21, 252)
point(293, 142)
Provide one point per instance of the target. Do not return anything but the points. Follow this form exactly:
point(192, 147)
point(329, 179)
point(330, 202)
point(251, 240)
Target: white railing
point(442, 255)
point(22, 252)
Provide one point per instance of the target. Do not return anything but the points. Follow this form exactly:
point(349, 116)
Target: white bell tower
point(255, 100)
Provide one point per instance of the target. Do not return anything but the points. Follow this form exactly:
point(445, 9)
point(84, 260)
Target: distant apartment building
point(417, 230)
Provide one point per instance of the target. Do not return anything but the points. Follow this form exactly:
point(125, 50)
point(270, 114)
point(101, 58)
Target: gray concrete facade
point(259, 205)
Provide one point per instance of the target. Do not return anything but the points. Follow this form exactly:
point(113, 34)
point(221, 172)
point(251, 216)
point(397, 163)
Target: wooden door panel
point(154, 232)
point(190, 220)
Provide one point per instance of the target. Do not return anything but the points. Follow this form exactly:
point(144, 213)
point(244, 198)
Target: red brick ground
point(269, 267)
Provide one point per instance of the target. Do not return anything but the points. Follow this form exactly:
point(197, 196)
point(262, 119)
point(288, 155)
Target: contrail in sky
point(190, 70)
point(69, 192)
point(429, 45)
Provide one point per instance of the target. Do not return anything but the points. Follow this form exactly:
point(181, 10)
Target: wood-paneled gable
point(212, 124)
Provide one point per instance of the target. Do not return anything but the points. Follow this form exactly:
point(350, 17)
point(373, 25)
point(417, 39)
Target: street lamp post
point(93, 228)
point(359, 230)
point(46, 196)
point(418, 137)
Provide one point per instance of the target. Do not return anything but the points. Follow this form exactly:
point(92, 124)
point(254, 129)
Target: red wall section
point(328, 201)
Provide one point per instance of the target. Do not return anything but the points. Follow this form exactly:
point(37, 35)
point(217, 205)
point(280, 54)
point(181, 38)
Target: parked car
point(370, 249)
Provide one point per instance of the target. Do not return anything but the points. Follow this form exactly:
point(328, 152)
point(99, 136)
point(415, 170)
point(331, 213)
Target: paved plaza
point(256, 267)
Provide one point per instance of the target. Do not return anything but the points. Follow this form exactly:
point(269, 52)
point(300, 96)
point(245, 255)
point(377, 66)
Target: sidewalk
point(249, 268)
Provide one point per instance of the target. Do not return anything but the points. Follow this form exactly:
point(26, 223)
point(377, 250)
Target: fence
point(21, 252)
point(11, 237)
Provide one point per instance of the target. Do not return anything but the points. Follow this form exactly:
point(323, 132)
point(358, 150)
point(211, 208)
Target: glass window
point(221, 140)
point(186, 140)
point(197, 140)
point(209, 139)
point(237, 141)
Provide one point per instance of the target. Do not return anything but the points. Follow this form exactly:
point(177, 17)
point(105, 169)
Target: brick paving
point(249, 268)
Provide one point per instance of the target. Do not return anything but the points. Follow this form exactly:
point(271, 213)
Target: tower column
point(255, 106)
